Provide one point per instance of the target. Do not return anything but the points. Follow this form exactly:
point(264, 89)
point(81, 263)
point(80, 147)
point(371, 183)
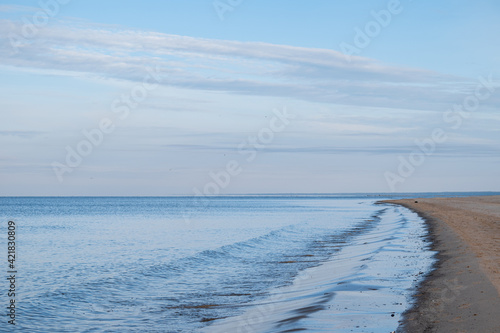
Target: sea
point(242, 263)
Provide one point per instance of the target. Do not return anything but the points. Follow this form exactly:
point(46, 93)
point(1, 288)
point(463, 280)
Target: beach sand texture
point(463, 293)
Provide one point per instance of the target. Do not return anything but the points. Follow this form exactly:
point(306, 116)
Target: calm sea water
point(227, 264)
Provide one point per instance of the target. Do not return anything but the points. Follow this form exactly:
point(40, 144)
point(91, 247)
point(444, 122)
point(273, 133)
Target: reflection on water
point(249, 264)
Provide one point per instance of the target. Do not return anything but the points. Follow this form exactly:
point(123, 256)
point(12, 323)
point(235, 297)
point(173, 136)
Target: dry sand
point(463, 293)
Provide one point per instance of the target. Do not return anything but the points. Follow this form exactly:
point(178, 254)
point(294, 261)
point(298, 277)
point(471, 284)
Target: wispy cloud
point(452, 150)
point(22, 134)
point(250, 68)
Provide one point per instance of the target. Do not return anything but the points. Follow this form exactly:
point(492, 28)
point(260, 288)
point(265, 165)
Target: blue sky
point(216, 85)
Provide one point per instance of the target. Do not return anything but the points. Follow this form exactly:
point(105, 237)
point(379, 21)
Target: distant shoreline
point(462, 293)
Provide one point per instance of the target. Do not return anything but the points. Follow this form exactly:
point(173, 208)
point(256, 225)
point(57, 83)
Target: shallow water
point(364, 287)
point(229, 264)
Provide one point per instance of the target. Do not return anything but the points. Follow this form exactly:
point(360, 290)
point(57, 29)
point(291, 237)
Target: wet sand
point(462, 294)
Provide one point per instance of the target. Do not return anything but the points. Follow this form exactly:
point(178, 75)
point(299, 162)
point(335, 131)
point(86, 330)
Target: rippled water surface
point(226, 264)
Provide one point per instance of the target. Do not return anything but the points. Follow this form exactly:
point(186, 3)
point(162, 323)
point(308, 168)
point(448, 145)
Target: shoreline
point(461, 293)
point(354, 287)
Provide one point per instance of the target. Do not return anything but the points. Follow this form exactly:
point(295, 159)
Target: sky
point(209, 97)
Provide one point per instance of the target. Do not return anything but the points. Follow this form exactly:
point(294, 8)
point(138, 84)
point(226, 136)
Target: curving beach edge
point(462, 293)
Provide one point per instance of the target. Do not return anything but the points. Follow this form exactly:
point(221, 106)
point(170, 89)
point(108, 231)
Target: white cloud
point(251, 68)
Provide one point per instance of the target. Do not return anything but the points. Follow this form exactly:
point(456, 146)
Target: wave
point(368, 281)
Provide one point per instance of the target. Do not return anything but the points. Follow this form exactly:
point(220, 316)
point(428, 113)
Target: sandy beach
point(462, 294)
